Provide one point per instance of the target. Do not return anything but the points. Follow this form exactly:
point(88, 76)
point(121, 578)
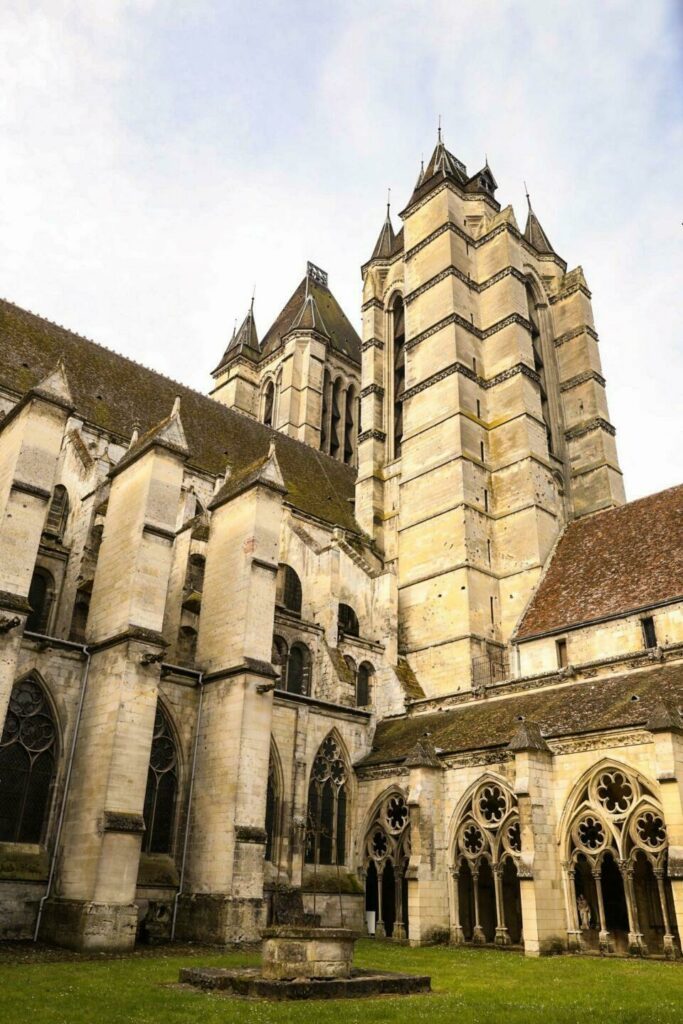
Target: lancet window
point(387, 852)
point(539, 365)
point(485, 895)
point(288, 591)
point(58, 513)
point(273, 806)
point(399, 373)
point(269, 403)
point(28, 749)
point(617, 890)
point(294, 665)
point(327, 805)
point(162, 787)
point(41, 596)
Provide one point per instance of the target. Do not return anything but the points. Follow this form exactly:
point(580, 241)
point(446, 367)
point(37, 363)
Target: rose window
point(338, 771)
point(472, 840)
point(651, 830)
point(396, 813)
point(379, 844)
point(492, 803)
point(329, 749)
point(615, 792)
point(591, 833)
point(321, 768)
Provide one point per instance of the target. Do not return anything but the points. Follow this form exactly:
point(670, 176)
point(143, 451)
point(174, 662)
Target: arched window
point(363, 684)
point(27, 764)
point(279, 656)
point(195, 572)
point(162, 786)
point(325, 415)
point(387, 852)
point(327, 799)
point(347, 621)
point(349, 432)
point(399, 353)
point(299, 669)
point(277, 398)
point(268, 403)
point(539, 366)
point(40, 596)
point(288, 589)
point(273, 798)
point(79, 619)
point(55, 524)
point(336, 425)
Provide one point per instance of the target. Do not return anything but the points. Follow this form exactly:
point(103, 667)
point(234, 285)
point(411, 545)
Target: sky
point(160, 159)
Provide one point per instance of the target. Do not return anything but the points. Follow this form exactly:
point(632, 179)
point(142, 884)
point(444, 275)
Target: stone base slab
point(82, 926)
point(294, 952)
point(251, 983)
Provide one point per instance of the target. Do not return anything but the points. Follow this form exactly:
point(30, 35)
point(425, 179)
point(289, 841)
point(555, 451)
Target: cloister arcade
point(386, 857)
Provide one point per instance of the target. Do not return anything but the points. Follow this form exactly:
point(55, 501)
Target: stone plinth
point(299, 951)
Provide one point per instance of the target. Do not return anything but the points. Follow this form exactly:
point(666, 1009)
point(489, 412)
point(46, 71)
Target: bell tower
point(484, 423)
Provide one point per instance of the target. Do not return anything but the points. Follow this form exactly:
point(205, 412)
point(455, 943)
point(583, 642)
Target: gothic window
point(349, 440)
point(40, 597)
point(617, 849)
point(364, 685)
point(399, 367)
point(387, 851)
point(561, 649)
point(326, 410)
point(347, 621)
point(299, 669)
point(288, 592)
point(488, 844)
point(162, 786)
point(649, 632)
point(268, 403)
point(55, 524)
point(27, 764)
point(273, 798)
point(336, 425)
point(327, 804)
point(279, 657)
point(539, 366)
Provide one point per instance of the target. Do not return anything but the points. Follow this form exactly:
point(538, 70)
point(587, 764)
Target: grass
point(476, 986)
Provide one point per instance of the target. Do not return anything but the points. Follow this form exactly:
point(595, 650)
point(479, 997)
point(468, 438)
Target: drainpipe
point(67, 780)
point(200, 684)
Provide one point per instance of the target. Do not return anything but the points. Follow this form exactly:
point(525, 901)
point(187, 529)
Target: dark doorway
point(616, 914)
point(648, 904)
point(487, 900)
point(388, 898)
point(466, 900)
point(584, 885)
point(512, 901)
point(371, 887)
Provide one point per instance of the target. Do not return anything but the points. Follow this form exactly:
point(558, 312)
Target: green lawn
point(472, 986)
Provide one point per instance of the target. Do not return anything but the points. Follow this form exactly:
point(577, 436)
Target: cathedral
point(370, 618)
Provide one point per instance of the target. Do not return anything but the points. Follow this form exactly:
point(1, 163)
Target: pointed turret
point(385, 243)
point(244, 342)
point(483, 181)
point(445, 164)
point(169, 434)
point(534, 233)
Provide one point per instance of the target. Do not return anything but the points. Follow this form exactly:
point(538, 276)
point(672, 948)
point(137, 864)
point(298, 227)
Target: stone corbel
point(8, 623)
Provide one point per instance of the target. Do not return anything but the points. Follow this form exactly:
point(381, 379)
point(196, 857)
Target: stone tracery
point(387, 852)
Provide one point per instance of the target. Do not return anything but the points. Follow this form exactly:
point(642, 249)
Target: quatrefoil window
point(591, 833)
point(651, 830)
point(615, 792)
point(514, 836)
point(396, 813)
point(380, 844)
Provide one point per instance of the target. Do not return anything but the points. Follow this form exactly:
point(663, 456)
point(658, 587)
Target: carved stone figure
point(584, 909)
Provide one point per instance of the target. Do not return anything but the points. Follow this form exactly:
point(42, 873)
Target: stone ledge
point(250, 983)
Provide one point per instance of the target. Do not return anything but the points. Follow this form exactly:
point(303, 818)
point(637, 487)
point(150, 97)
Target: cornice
point(576, 332)
point(372, 389)
point(376, 435)
point(597, 423)
point(372, 343)
point(570, 291)
point(466, 280)
point(370, 303)
point(582, 378)
point(477, 332)
point(465, 371)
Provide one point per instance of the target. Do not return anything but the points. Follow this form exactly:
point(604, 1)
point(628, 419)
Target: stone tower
point(484, 419)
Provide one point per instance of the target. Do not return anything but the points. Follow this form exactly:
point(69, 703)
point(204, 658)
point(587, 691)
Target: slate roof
point(343, 337)
point(611, 563)
point(243, 342)
point(115, 393)
point(576, 708)
point(536, 236)
point(384, 246)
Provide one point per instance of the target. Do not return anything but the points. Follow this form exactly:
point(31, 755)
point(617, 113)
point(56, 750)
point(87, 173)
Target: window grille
point(327, 805)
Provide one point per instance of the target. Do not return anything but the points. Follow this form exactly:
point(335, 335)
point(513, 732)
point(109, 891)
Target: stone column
point(603, 936)
point(224, 901)
point(478, 937)
point(669, 943)
point(539, 871)
point(666, 726)
point(93, 905)
point(502, 935)
point(574, 940)
point(457, 935)
point(31, 437)
point(636, 942)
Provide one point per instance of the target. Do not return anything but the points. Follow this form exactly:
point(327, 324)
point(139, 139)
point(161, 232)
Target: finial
point(528, 200)
point(253, 296)
point(271, 448)
point(439, 128)
point(135, 435)
point(176, 406)
point(388, 201)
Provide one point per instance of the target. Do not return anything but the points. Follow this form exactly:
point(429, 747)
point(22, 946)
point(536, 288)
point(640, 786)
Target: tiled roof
point(622, 702)
point(115, 393)
point(343, 337)
point(536, 236)
point(384, 246)
point(611, 563)
point(243, 342)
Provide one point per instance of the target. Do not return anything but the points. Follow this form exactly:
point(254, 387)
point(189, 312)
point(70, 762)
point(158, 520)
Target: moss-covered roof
point(343, 337)
point(580, 707)
point(117, 394)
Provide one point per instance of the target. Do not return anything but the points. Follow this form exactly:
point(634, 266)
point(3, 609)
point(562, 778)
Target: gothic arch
point(330, 799)
point(574, 797)
point(165, 769)
point(274, 804)
point(385, 858)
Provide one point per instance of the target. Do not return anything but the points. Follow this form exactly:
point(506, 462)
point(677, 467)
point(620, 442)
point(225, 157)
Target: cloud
point(160, 158)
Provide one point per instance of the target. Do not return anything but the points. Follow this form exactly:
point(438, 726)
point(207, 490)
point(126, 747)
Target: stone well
point(292, 951)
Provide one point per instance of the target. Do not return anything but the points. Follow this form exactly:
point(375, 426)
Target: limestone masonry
point(370, 620)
